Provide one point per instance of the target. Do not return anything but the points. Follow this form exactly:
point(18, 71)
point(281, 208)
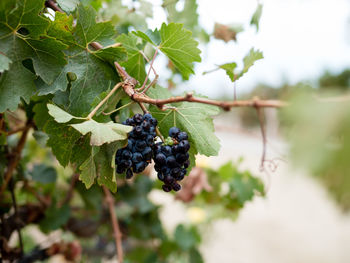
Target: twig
point(225, 105)
point(121, 107)
point(15, 157)
point(15, 130)
point(260, 113)
point(116, 229)
point(149, 72)
point(93, 112)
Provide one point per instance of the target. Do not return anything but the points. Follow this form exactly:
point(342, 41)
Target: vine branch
point(15, 158)
point(116, 229)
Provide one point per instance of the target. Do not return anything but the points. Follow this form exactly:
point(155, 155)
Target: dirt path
point(297, 222)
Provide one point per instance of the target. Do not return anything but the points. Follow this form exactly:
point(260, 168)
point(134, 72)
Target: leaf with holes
point(19, 33)
point(92, 69)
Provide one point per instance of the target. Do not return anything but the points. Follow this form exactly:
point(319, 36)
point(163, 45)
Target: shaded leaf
point(43, 174)
point(55, 218)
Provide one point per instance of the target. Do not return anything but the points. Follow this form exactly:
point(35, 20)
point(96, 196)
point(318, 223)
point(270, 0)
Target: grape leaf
point(43, 174)
point(4, 62)
point(55, 217)
point(256, 16)
point(59, 115)
point(103, 132)
point(88, 169)
point(19, 33)
point(194, 118)
point(68, 5)
point(229, 68)
point(188, 16)
point(179, 46)
point(250, 59)
point(152, 37)
point(92, 74)
point(101, 165)
point(61, 139)
point(135, 65)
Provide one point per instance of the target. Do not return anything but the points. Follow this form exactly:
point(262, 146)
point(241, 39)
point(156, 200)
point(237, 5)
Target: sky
point(300, 39)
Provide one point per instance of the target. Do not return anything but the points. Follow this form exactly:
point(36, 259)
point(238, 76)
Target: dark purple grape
point(129, 174)
point(139, 167)
point(182, 136)
point(173, 131)
point(176, 187)
point(153, 121)
point(160, 176)
point(171, 161)
point(140, 145)
point(147, 153)
point(187, 164)
point(147, 116)
point(160, 159)
point(167, 150)
point(126, 154)
point(138, 118)
point(145, 125)
point(137, 157)
point(181, 158)
point(166, 188)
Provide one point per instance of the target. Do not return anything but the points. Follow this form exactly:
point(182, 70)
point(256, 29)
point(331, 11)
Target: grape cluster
point(138, 153)
point(171, 161)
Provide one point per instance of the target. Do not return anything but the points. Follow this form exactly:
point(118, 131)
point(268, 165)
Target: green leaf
point(186, 238)
point(250, 59)
point(243, 185)
point(135, 65)
point(58, 114)
point(20, 29)
point(43, 174)
point(179, 46)
point(25, 14)
point(87, 30)
point(188, 16)
point(68, 5)
point(4, 63)
point(103, 132)
point(88, 169)
point(194, 118)
point(195, 256)
point(62, 28)
point(229, 68)
point(256, 16)
point(62, 140)
point(93, 72)
point(101, 165)
point(152, 37)
point(55, 218)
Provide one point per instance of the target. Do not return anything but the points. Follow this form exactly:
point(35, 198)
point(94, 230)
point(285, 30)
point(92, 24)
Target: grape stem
point(93, 112)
